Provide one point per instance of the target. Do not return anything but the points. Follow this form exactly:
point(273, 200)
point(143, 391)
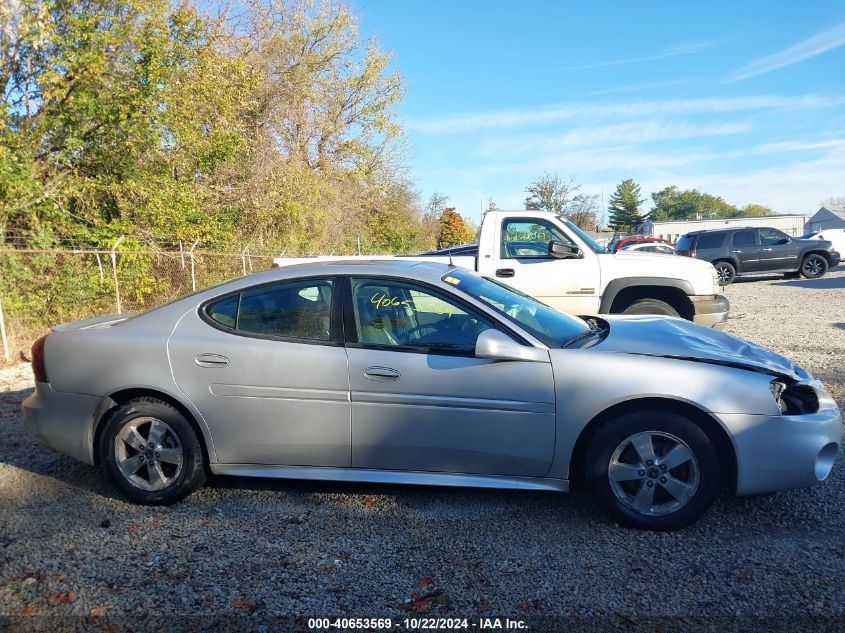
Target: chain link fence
point(40, 288)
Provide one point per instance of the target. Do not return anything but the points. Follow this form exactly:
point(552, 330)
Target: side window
point(529, 238)
point(769, 237)
point(297, 309)
point(224, 311)
point(743, 238)
point(398, 314)
point(710, 240)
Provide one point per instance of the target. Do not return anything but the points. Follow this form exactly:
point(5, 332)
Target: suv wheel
point(653, 470)
point(813, 266)
point(726, 272)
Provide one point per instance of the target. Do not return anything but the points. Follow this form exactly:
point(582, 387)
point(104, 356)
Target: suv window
point(394, 313)
point(685, 243)
point(770, 237)
point(743, 238)
point(710, 240)
point(296, 309)
point(529, 238)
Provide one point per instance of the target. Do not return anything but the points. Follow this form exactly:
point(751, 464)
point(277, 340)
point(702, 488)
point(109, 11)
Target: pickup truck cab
point(553, 260)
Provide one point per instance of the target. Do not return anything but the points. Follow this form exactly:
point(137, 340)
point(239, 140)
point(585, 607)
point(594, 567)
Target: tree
point(453, 230)
point(583, 210)
point(624, 206)
point(756, 211)
point(550, 192)
point(834, 201)
point(673, 204)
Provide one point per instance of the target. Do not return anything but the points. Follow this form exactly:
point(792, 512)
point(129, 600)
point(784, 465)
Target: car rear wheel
point(653, 470)
point(650, 306)
point(151, 452)
point(726, 273)
point(813, 266)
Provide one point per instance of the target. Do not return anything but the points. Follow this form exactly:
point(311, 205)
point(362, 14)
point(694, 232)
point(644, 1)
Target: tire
point(620, 494)
point(813, 266)
point(726, 272)
point(176, 452)
point(651, 306)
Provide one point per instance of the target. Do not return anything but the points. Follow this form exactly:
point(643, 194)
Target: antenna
point(450, 260)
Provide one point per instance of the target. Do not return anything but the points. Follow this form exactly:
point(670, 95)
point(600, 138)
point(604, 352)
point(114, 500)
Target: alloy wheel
point(812, 267)
point(148, 453)
point(653, 473)
point(725, 274)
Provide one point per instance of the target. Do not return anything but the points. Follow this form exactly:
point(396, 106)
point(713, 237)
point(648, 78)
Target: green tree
point(673, 204)
point(453, 230)
point(550, 192)
point(625, 205)
point(756, 211)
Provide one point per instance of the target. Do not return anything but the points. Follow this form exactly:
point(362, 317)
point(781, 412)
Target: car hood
point(676, 338)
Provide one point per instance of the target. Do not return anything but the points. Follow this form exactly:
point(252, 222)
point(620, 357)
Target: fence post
point(193, 269)
point(7, 352)
point(182, 254)
point(243, 258)
point(114, 271)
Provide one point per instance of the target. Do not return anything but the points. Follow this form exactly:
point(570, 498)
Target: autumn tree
point(625, 205)
point(453, 229)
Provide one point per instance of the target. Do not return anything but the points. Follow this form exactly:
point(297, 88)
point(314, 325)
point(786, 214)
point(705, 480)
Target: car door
point(778, 251)
point(745, 250)
point(267, 370)
point(521, 259)
point(422, 401)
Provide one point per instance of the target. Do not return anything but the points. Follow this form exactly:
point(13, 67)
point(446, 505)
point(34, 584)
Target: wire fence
point(42, 287)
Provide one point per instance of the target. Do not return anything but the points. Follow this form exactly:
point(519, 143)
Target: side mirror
point(499, 346)
point(785, 240)
point(559, 250)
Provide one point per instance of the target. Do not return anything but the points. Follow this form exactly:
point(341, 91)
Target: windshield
point(554, 328)
point(597, 248)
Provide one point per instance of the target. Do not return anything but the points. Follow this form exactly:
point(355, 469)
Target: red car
point(618, 243)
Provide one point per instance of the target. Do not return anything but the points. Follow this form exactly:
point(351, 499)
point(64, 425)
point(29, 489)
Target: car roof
point(399, 266)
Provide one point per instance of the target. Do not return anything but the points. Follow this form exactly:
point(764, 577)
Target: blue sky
point(742, 100)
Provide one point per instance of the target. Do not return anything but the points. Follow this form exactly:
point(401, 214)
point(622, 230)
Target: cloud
point(816, 45)
point(464, 123)
point(618, 133)
point(637, 87)
point(672, 51)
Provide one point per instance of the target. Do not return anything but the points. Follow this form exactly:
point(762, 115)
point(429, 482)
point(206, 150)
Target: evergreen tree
point(624, 206)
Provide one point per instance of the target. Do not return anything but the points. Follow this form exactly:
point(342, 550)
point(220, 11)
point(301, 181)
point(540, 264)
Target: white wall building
point(789, 224)
point(832, 217)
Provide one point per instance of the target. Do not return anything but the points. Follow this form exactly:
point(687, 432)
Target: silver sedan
point(421, 373)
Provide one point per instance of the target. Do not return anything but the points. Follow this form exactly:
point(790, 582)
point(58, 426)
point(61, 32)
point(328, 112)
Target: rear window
point(710, 240)
point(685, 243)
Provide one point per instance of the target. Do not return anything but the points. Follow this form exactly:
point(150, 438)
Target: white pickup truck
point(555, 261)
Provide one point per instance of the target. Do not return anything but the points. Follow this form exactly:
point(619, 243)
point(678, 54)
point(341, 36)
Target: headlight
point(794, 398)
point(715, 277)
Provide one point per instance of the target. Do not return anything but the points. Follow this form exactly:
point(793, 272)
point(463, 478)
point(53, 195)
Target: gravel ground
point(69, 545)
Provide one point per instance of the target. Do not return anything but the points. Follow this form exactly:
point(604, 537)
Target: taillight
point(274, 265)
point(38, 366)
point(692, 253)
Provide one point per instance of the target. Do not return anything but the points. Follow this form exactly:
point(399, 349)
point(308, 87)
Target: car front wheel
point(813, 266)
point(653, 470)
point(151, 452)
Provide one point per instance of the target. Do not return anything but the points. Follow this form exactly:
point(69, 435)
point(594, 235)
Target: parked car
point(835, 236)
point(553, 260)
point(622, 242)
point(649, 247)
point(421, 373)
point(749, 250)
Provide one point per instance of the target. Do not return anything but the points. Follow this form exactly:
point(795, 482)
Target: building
point(829, 217)
point(789, 224)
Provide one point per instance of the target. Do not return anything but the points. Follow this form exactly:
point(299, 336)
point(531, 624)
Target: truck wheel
point(726, 272)
point(653, 470)
point(650, 306)
point(151, 453)
point(813, 266)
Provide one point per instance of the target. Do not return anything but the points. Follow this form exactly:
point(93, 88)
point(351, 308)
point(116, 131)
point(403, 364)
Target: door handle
point(505, 272)
point(381, 374)
point(736, 251)
point(211, 360)
point(767, 249)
